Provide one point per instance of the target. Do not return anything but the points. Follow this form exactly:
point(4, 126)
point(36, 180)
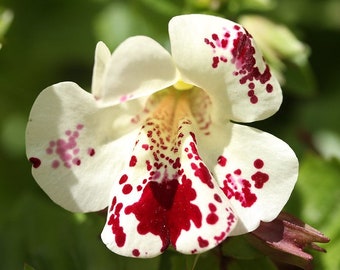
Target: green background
point(50, 41)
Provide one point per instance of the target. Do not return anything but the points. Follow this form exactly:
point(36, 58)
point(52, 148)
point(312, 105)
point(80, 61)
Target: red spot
point(113, 203)
point(220, 237)
point(203, 174)
point(177, 164)
point(80, 126)
point(217, 198)
point(238, 172)
point(269, 88)
point(117, 230)
point(251, 93)
point(222, 161)
point(76, 161)
point(258, 163)
point(165, 209)
point(212, 207)
point(244, 59)
point(254, 99)
point(36, 162)
point(133, 161)
point(202, 242)
point(123, 179)
point(148, 165)
point(193, 136)
point(91, 152)
point(212, 218)
point(240, 191)
point(260, 178)
point(135, 252)
point(55, 164)
point(145, 146)
point(127, 189)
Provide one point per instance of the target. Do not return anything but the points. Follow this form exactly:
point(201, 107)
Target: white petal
point(256, 170)
point(138, 67)
point(76, 148)
point(101, 59)
point(220, 57)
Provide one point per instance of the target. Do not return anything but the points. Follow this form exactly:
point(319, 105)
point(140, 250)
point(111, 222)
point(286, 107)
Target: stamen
point(180, 85)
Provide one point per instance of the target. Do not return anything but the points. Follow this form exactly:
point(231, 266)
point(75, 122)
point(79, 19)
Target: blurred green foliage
point(50, 41)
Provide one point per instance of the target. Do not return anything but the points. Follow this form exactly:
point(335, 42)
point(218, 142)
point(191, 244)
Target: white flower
point(156, 141)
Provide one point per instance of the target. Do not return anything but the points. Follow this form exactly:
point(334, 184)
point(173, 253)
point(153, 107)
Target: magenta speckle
point(76, 161)
point(55, 164)
point(36, 162)
point(66, 148)
point(242, 56)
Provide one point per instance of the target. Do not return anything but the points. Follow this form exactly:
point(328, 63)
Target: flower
point(156, 142)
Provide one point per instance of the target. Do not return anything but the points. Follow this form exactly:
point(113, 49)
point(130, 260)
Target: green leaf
point(28, 267)
point(263, 263)
point(318, 190)
point(238, 247)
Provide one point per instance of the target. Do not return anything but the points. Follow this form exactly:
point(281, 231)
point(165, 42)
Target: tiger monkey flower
point(158, 144)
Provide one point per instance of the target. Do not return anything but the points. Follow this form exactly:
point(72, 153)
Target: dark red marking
point(133, 161)
point(217, 198)
point(242, 194)
point(127, 189)
point(36, 162)
point(203, 174)
point(212, 218)
point(91, 152)
point(269, 88)
point(212, 207)
point(258, 163)
point(260, 178)
point(238, 172)
point(117, 230)
point(135, 252)
point(123, 179)
point(202, 242)
point(220, 237)
point(165, 209)
point(222, 161)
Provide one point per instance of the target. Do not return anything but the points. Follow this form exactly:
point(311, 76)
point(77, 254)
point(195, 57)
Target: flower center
point(180, 85)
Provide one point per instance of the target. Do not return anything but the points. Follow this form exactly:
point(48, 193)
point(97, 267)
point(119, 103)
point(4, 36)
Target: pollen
point(180, 85)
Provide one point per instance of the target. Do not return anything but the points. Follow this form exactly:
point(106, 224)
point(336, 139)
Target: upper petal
point(256, 171)
point(101, 59)
point(75, 147)
point(221, 57)
point(138, 67)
